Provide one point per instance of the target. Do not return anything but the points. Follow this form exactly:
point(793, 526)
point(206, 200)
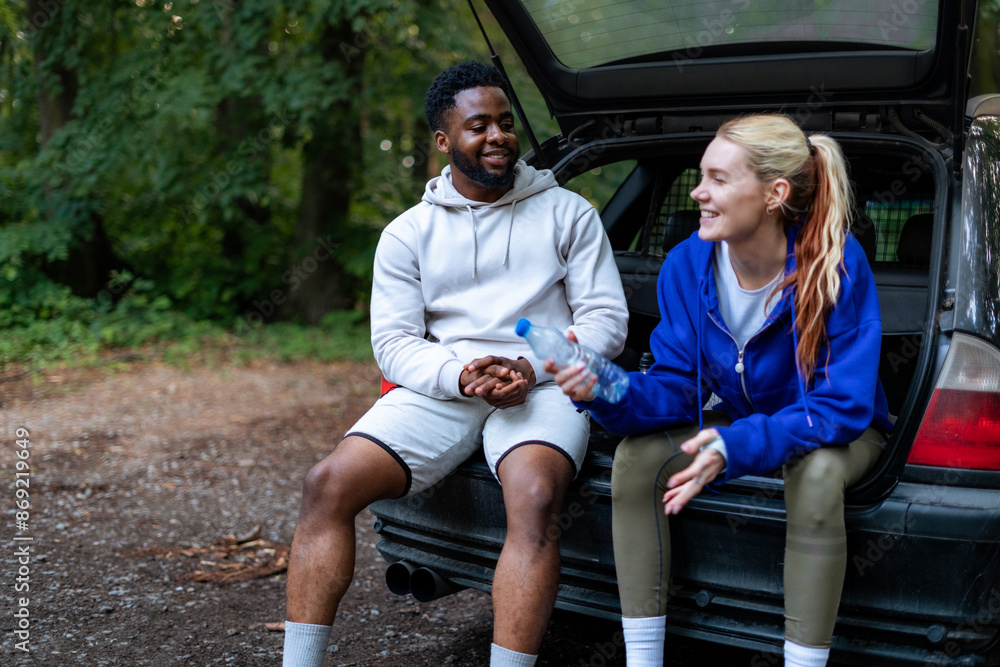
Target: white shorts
point(430, 437)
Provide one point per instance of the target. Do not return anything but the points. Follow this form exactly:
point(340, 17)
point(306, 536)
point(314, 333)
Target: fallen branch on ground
point(232, 560)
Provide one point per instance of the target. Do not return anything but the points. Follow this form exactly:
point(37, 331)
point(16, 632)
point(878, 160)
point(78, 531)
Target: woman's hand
point(689, 482)
point(576, 381)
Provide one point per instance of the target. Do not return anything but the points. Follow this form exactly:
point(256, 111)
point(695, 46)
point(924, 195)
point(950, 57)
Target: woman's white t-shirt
point(743, 311)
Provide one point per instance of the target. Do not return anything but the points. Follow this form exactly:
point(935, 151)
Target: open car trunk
point(728, 549)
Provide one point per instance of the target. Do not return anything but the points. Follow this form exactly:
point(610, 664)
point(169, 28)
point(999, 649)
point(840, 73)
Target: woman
point(770, 315)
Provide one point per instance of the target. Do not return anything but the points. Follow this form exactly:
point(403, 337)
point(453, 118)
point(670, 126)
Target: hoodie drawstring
point(798, 373)
point(510, 231)
point(475, 238)
point(528, 181)
point(475, 243)
point(697, 351)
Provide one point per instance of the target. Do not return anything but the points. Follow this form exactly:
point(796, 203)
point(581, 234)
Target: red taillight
point(961, 428)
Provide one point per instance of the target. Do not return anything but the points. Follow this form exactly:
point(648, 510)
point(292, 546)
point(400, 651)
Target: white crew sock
point(644, 638)
point(305, 644)
point(797, 655)
point(503, 657)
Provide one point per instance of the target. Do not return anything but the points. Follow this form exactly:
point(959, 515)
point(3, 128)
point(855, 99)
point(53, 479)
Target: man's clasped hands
point(501, 382)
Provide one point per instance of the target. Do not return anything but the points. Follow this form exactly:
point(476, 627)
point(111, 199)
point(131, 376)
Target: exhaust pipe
point(397, 576)
point(427, 585)
point(423, 583)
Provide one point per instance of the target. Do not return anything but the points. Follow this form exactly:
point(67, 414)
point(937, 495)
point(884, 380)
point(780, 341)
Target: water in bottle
point(549, 343)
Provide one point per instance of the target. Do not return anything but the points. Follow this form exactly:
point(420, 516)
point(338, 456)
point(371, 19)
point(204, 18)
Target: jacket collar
point(708, 290)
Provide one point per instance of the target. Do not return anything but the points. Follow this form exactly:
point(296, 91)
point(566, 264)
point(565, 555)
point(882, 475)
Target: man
point(492, 241)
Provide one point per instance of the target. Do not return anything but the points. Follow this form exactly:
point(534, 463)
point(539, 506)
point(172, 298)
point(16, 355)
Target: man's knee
point(344, 484)
point(324, 487)
point(534, 511)
point(537, 496)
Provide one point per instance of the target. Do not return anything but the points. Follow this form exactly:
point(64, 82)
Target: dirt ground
point(162, 501)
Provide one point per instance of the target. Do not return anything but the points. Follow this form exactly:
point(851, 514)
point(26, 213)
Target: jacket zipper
point(740, 368)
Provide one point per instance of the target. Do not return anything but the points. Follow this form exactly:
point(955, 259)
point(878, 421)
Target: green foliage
point(45, 323)
point(194, 134)
point(985, 66)
point(142, 316)
point(41, 321)
point(187, 143)
point(340, 335)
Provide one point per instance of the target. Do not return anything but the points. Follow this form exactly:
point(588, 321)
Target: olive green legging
point(815, 542)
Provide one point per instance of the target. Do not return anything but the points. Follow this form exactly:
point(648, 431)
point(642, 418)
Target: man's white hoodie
point(453, 276)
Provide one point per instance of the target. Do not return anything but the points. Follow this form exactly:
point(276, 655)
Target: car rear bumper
point(922, 585)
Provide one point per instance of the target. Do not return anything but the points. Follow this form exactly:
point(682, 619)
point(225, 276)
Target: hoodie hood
point(528, 181)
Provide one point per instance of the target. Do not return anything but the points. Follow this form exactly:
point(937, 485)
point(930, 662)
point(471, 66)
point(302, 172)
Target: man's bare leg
point(534, 479)
point(321, 566)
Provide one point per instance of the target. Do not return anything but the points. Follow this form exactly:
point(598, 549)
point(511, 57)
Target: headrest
point(679, 225)
point(863, 229)
point(914, 247)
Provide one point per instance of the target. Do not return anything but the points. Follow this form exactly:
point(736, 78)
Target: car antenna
point(495, 59)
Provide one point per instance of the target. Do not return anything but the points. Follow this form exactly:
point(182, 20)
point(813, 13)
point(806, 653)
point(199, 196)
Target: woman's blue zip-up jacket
point(776, 416)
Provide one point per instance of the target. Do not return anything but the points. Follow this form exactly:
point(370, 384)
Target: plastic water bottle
point(549, 343)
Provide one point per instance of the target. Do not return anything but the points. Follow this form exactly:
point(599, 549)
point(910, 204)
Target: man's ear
point(441, 141)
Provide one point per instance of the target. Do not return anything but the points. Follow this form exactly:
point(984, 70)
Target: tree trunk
point(331, 164)
point(90, 260)
point(322, 225)
point(238, 120)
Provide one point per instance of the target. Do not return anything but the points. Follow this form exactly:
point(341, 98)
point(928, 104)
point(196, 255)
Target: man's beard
point(477, 172)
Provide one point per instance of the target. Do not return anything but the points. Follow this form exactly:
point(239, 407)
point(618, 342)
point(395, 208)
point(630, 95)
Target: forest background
point(204, 178)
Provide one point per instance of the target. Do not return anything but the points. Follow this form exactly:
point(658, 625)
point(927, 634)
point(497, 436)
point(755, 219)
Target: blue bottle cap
point(522, 326)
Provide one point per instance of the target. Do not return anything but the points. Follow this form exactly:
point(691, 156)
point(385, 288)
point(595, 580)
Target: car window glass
point(597, 185)
point(984, 69)
point(590, 33)
point(890, 219)
point(674, 215)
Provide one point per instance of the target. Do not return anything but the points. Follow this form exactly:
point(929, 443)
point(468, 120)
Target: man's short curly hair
point(440, 96)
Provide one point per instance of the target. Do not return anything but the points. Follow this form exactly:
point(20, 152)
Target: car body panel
point(977, 286)
point(735, 55)
point(726, 581)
